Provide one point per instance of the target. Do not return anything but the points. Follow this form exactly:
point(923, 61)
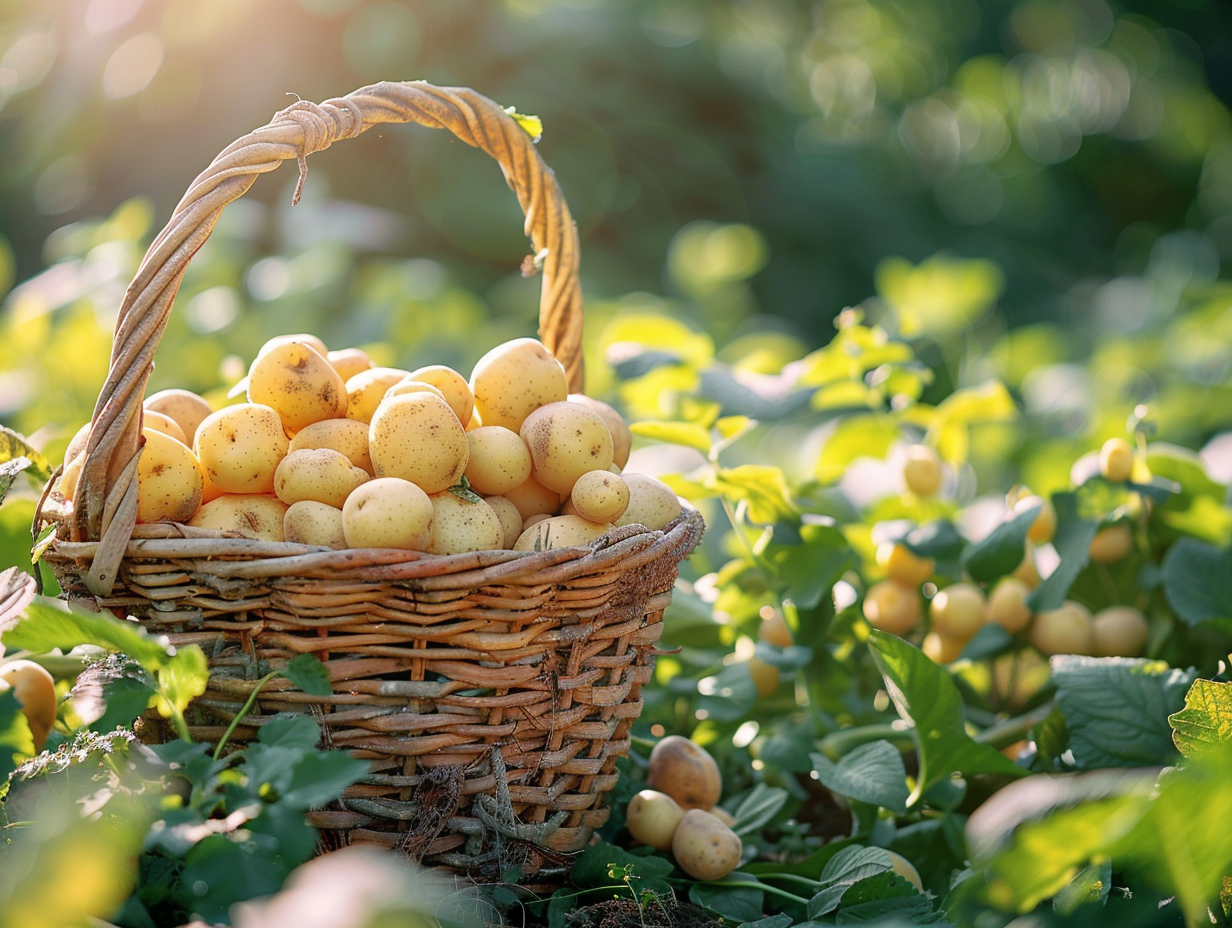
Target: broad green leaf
point(886, 897)
point(771, 921)
point(688, 434)
point(1206, 720)
point(854, 437)
point(290, 731)
point(1051, 736)
point(308, 674)
point(1198, 581)
point(952, 420)
point(1116, 709)
point(1073, 544)
point(1002, 550)
point(735, 903)
point(872, 773)
point(16, 740)
point(938, 539)
point(593, 868)
point(729, 695)
point(319, 777)
point(809, 570)
point(989, 641)
point(1089, 886)
point(50, 625)
point(940, 294)
point(1187, 469)
point(925, 696)
point(762, 487)
point(757, 808)
point(846, 868)
point(182, 678)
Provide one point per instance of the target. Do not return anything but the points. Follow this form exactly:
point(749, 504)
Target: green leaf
point(989, 641)
point(49, 625)
point(1051, 736)
point(854, 437)
point(463, 491)
point(1206, 720)
point(761, 486)
point(308, 674)
point(13, 446)
point(729, 695)
point(939, 540)
point(1117, 709)
point(182, 678)
point(809, 570)
point(924, 695)
point(290, 731)
point(735, 903)
point(846, 868)
point(1187, 469)
point(320, 777)
point(689, 434)
point(1002, 550)
point(758, 808)
point(950, 429)
point(886, 896)
point(16, 740)
point(1089, 885)
point(872, 773)
point(1198, 581)
point(1073, 544)
point(591, 869)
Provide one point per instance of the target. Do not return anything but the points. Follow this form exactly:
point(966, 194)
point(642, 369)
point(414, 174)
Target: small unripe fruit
point(1112, 543)
point(892, 607)
point(902, 564)
point(765, 676)
point(942, 649)
point(958, 611)
point(1065, 630)
point(1045, 524)
point(1116, 460)
point(775, 630)
point(1007, 605)
point(922, 473)
point(1119, 631)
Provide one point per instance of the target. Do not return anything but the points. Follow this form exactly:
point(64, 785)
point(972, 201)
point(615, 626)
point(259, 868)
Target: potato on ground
point(514, 379)
point(350, 436)
point(188, 409)
point(498, 462)
point(388, 512)
point(169, 479)
point(251, 515)
point(460, 524)
point(308, 522)
point(366, 389)
point(35, 689)
point(685, 771)
point(622, 438)
point(510, 519)
point(652, 817)
point(418, 438)
point(453, 386)
point(600, 496)
point(651, 502)
point(566, 440)
point(240, 447)
point(320, 474)
point(296, 381)
point(704, 847)
point(560, 532)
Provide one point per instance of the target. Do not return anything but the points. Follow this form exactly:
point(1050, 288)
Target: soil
point(625, 913)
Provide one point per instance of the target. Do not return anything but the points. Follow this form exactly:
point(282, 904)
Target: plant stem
point(244, 710)
point(839, 743)
point(1006, 733)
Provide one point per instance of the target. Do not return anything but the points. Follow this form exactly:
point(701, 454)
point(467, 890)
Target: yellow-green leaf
point(688, 434)
point(532, 125)
point(940, 294)
point(761, 487)
point(1206, 720)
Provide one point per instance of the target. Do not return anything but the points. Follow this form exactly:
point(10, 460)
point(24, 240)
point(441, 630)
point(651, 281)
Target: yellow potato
point(388, 512)
point(169, 479)
point(35, 689)
point(453, 386)
point(535, 520)
point(622, 438)
point(160, 422)
point(418, 438)
point(651, 502)
point(685, 771)
point(252, 515)
point(185, 407)
point(320, 474)
point(652, 817)
point(532, 498)
point(240, 447)
point(292, 378)
point(704, 847)
point(366, 389)
point(70, 476)
point(460, 525)
point(349, 361)
point(566, 440)
point(600, 496)
point(349, 436)
point(559, 532)
point(407, 385)
point(499, 460)
point(510, 519)
point(306, 338)
point(308, 522)
point(514, 379)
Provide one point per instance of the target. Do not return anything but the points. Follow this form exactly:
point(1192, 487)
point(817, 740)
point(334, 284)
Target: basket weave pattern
point(492, 692)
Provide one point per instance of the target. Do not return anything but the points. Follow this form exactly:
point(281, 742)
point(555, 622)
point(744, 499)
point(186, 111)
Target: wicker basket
point(492, 692)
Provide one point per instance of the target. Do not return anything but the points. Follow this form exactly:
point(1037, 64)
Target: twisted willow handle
point(106, 499)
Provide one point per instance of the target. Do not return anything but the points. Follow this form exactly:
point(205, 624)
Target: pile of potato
point(331, 450)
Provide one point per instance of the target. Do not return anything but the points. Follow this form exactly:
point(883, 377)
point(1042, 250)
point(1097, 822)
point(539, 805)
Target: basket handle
point(106, 499)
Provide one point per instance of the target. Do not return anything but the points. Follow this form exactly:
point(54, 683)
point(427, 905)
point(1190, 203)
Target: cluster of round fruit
point(331, 450)
point(959, 610)
point(678, 810)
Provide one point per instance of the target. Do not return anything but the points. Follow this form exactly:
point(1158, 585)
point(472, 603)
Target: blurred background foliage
point(1038, 191)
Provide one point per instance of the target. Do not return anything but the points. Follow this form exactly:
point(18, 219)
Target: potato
point(622, 439)
point(560, 532)
point(159, 422)
point(453, 385)
point(307, 338)
point(704, 847)
point(185, 407)
point(367, 388)
point(514, 379)
point(252, 515)
point(600, 496)
point(651, 502)
point(320, 474)
point(240, 447)
point(292, 378)
point(723, 816)
point(510, 519)
point(348, 361)
point(534, 520)
point(71, 475)
point(388, 512)
point(350, 436)
point(1119, 631)
point(36, 691)
point(906, 869)
point(408, 385)
point(1064, 630)
point(566, 440)
point(532, 499)
point(460, 525)
point(652, 817)
point(418, 438)
point(308, 522)
point(169, 479)
point(685, 771)
point(499, 460)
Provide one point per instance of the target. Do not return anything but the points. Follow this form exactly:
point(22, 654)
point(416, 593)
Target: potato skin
point(388, 512)
point(704, 847)
point(622, 438)
point(36, 691)
point(600, 496)
point(651, 502)
point(652, 818)
point(515, 378)
point(188, 409)
point(169, 479)
point(308, 522)
point(367, 388)
point(460, 525)
point(499, 460)
point(533, 499)
point(297, 381)
point(418, 438)
point(510, 519)
point(320, 474)
point(566, 440)
point(240, 447)
point(453, 386)
point(251, 515)
point(350, 436)
point(348, 361)
point(685, 771)
point(560, 532)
